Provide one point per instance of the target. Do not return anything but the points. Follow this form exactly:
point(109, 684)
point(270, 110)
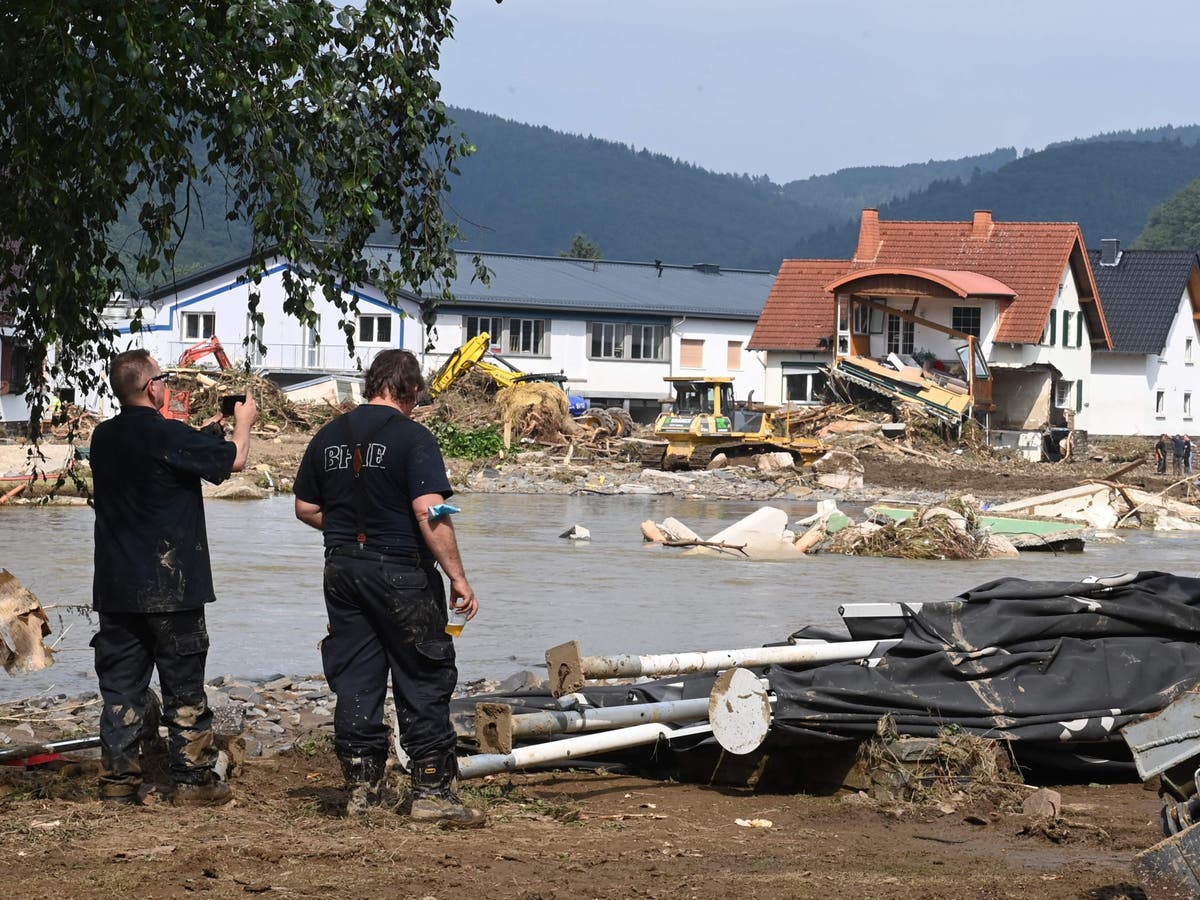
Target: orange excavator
point(178, 404)
point(201, 350)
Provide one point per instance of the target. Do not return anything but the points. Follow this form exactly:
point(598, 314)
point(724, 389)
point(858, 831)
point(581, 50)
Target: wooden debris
point(25, 622)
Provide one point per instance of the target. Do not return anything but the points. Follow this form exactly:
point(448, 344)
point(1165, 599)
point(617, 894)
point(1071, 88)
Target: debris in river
point(23, 624)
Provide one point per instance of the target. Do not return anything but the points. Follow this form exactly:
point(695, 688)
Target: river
point(614, 594)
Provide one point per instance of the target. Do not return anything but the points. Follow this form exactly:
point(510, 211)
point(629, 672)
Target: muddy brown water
point(614, 594)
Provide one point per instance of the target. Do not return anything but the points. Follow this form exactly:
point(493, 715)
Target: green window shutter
point(1066, 338)
point(1079, 396)
point(1079, 330)
point(1053, 322)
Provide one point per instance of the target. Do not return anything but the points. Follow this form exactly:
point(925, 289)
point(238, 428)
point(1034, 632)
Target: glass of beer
point(456, 622)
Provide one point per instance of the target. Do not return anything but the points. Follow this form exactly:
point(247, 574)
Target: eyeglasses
point(161, 376)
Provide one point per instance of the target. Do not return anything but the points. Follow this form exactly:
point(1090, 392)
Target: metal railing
point(321, 358)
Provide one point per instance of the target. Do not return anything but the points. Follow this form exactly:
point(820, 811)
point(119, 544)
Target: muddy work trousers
point(387, 614)
point(129, 646)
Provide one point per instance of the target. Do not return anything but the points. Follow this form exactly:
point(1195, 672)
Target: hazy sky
point(792, 88)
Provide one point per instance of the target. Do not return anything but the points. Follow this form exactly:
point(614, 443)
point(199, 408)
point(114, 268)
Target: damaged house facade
point(996, 320)
point(1147, 384)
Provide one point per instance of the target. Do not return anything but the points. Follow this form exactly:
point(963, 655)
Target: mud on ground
point(570, 834)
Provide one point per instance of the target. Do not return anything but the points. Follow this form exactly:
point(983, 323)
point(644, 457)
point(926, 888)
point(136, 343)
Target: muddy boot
point(209, 792)
point(433, 796)
point(119, 794)
point(364, 781)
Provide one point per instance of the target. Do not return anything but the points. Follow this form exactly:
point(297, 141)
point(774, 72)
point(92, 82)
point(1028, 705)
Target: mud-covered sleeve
point(426, 470)
point(196, 453)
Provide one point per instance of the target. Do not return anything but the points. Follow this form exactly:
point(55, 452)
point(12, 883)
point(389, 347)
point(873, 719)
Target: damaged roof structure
point(1004, 315)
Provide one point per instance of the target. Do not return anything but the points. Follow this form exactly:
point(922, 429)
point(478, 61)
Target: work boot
point(433, 796)
point(210, 792)
point(364, 781)
point(119, 794)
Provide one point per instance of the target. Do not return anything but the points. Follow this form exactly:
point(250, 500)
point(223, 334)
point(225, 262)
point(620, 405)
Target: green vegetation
point(527, 187)
point(467, 443)
point(308, 126)
point(582, 247)
point(1108, 188)
point(1174, 225)
point(849, 191)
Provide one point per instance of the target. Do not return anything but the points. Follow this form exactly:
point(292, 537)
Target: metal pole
point(67, 746)
point(496, 727)
point(571, 748)
point(569, 669)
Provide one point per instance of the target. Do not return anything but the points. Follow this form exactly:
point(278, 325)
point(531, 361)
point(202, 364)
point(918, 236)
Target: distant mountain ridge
point(529, 189)
point(1109, 188)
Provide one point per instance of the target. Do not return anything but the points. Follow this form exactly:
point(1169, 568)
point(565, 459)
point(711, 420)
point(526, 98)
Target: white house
point(1017, 298)
point(214, 304)
point(615, 329)
point(1148, 384)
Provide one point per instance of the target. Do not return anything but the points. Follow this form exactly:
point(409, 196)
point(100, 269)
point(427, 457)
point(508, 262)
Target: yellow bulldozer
point(704, 421)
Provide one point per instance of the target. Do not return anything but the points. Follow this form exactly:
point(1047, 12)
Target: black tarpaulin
point(1015, 659)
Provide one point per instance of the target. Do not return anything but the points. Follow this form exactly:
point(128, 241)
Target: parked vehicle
point(705, 421)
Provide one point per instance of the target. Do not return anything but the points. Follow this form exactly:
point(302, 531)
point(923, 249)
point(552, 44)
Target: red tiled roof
point(962, 283)
point(1029, 257)
point(799, 311)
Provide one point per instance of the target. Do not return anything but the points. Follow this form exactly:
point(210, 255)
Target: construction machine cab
point(700, 406)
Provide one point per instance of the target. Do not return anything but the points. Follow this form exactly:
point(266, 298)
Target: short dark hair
point(129, 372)
point(395, 372)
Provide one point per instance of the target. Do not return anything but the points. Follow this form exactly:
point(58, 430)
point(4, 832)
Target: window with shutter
point(691, 353)
point(733, 356)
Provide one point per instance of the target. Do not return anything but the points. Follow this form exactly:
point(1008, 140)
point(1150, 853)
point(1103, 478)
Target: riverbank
point(923, 478)
point(552, 834)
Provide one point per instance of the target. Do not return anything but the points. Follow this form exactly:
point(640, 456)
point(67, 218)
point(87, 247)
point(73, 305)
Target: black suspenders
point(360, 490)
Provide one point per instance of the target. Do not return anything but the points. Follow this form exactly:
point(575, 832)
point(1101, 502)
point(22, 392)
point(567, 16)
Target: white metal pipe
point(603, 717)
point(628, 665)
point(571, 748)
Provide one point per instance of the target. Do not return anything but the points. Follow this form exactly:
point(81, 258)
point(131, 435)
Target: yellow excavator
point(704, 422)
point(473, 355)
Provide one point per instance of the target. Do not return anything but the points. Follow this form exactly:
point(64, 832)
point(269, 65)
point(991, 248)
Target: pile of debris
point(950, 531)
point(205, 388)
point(528, 412)
point(1106, 504)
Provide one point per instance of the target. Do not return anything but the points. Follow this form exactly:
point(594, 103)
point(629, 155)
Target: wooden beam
point(910, 317)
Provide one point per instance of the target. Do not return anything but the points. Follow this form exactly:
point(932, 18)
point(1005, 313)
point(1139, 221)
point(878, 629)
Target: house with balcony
point(614, 329)
point(996, 320)
point(1149, 382)
point(214, 303)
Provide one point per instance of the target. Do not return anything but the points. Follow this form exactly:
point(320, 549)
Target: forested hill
point(529, 189)
point(1108, 187)
point(849, 191)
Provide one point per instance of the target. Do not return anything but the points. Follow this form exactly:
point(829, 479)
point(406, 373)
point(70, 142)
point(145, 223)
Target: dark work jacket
point(151, 543)
point(401, 461)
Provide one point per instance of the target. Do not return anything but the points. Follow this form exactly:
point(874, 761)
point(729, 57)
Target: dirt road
point(567, 835)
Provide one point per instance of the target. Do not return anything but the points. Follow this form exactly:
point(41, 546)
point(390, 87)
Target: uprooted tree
point(323, 125)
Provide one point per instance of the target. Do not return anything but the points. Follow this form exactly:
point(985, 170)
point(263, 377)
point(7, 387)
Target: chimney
point(868, 236)
point(1110, 251)
point(982, 226)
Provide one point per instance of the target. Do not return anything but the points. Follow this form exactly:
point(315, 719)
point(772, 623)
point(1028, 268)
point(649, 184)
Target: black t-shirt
point(151, 542)
point(401, 461)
